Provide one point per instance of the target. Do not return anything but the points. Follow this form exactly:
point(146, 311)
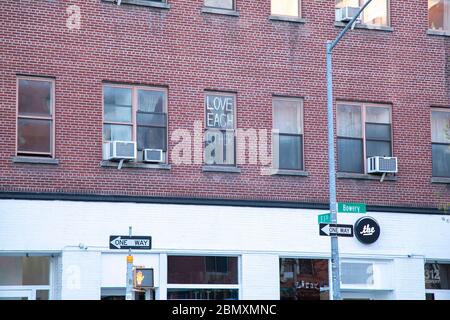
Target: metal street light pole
point(335, 267)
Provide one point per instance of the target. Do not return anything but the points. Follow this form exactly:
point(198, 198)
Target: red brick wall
point(189, 51)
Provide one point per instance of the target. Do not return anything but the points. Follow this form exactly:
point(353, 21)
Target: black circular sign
point(367, 230)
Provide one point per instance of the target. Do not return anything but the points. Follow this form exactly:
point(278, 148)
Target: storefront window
point(24, 271)
point(202, 270)
point(437, 276)
point(202, 294)
point(304, 279)
point(202, 278)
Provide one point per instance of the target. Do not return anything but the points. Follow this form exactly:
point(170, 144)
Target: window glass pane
point(224, 4)
point(27, 271)
point(440, 126)
point(117, 104)
point(378, 115)
point(42, 294)
point(347, 3)
point(35, 98)
point(376, 12)
point(202, 294)
point(304, 279)
point(219, 111)
point(378, 131)
point(350, 155)
point(439, 15)
point(290, 154)
point(378, 148)
point(357, 273)
point(219, 147)
point(349, 121)
point(34, 135)
point(151, 138)
point(285, 7)
point(196, 270)
point(151, 119)
point(115, 132)
point(437, 276)
point(287, 116)
point(441, 160)
point(151, 101)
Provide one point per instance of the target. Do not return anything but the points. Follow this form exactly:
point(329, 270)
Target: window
point(26, 274)
point(288, 133)
point(363, 131)
point(35, 121)
point(285, 8)
point(220, 4)
point(440, 138)
point(437, 276)
point(136, 114)
point(220, 129)
point(376, 13)
point(304, 279)
point(202, 270)
point(202, 277)
point(439, 15)
point(357, 273)
point(210, 272)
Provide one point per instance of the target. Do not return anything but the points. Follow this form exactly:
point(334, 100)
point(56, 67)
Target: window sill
point(284, 172)
point(287, 19)
point(226, 12)
point(443, 180)
point(136, 165)
point(35, 160)
point(153, 4)
point(363, 176)
point(366, 26)
point(438, 33)
point(221, 169)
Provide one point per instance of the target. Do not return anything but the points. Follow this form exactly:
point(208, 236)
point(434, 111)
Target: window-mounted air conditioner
point(346, 14)
point(153, 155)
point(119, 150)
point(382, 165)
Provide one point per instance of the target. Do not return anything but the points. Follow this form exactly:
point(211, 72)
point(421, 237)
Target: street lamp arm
point(348, 26)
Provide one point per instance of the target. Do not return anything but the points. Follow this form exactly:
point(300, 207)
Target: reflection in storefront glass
point(437, 276)
point(202, 294)
point(304, 279)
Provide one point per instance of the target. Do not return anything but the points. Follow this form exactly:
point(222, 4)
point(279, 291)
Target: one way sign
point(130, 242)
point(340, 230)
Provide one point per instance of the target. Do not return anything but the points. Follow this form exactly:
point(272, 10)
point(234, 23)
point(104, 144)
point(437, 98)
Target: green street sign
point(324, 218)
point(351, 208)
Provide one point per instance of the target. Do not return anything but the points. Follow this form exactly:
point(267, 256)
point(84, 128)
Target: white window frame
point(299, 13)
point(134, 109)
point(388, 14)
point(206, 128)
point(431, 131)
point(50, 154)
point(301, 120)
point(221, 8)
point(363, 106)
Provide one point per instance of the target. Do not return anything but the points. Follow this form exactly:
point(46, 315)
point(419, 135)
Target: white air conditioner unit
point(119, 150)
point(346, 14)
point(153, 155)
point(382, 165)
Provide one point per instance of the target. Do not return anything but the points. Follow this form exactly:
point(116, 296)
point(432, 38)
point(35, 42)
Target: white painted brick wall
point(260, 277)
point(258, 235)
point(407, 271)
point(81, 278)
